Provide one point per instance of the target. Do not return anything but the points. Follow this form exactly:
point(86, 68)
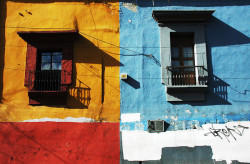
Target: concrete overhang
point(182, 16)
point(48, 36)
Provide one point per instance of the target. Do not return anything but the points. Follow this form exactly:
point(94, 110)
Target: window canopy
point(48, 36)
point(175, 16)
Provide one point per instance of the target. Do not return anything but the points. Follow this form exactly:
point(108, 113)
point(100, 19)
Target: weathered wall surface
point(54, 142)
point(94, 54)
point(143, 95)
point(93, 97)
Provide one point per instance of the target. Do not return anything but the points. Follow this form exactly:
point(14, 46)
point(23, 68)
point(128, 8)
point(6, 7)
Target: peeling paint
point(175, 118)
point(130, 6)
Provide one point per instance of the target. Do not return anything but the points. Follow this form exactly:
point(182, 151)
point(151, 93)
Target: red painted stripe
point(59, 142)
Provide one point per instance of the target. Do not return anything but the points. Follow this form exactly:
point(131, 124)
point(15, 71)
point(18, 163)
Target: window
point(183, 53)
point(50, 60)
point(48, 65)
point(48, 72)
point(182, 59)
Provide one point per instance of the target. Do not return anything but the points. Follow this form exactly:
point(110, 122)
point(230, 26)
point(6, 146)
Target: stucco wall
point(86, 129)
point(227, 42)
point(227, 39)
point(95, 54)
point(54, 142)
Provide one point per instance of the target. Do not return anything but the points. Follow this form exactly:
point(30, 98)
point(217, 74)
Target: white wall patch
point(230, 141)
point(67, 119)
point(130, 117)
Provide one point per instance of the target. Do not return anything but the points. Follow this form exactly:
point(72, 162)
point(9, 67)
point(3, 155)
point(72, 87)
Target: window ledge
point(187, 86)
point(186, 93)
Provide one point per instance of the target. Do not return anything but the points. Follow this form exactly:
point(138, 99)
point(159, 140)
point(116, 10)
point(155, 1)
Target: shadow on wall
point(79, 95)
point(132, 82)
point(195, 3)
point(198, 154)
point(219, 34)
point(181, 155)
point(223, 35)
point(2, 43)
point(87, 53)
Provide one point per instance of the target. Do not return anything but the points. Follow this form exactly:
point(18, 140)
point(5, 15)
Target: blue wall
point(228, 55)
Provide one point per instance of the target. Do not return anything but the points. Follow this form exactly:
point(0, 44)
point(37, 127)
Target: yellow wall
point(98, 24)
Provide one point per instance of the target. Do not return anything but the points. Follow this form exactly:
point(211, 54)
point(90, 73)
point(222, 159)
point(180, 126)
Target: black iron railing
point(45, 80)
point(186, 75)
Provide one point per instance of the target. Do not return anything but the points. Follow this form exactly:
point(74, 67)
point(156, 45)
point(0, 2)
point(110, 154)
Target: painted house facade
point(124, 81)
point(60, 99)
point(186, 98)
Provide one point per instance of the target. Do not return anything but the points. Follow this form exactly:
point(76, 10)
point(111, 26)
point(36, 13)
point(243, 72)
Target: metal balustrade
point(45, 80)
point(186, 76)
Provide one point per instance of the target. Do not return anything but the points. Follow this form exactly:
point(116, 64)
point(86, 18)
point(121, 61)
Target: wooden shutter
point(30, 69)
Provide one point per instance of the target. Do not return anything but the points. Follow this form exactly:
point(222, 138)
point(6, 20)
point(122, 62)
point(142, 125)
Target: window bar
point(54, 79)
point(199, 76)
point(51, 83)
point(45, 80)
point(40, 85)
point(179, 77)
point(204, 81)
point(196, 75)
point(202, 76)
point(189, 76)
point(41, 82)
point(184, 77)
point(50, 80)
point(35, 81)
point(50, 74)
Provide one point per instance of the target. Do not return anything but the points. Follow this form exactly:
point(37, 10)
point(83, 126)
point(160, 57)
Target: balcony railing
point(45, 80)
point(186, 76)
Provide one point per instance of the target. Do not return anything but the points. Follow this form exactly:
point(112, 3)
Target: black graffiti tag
point(227, 132)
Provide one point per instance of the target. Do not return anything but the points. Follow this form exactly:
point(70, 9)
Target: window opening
point(48, 73)
point(182, 59)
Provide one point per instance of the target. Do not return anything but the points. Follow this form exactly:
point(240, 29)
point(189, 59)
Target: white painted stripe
point(67, 119)
point(130, 117)
point(144, 146)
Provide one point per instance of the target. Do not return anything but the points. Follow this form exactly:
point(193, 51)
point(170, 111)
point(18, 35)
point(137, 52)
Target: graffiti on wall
point(227, 132)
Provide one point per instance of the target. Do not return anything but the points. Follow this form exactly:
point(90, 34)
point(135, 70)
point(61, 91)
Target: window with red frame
point(48, 70)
